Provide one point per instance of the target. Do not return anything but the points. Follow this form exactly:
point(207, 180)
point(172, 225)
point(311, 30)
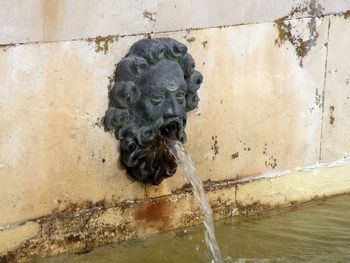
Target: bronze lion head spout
point(155, 85)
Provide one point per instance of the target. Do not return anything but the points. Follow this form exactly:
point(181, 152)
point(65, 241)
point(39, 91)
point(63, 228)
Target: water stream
point(190, 175)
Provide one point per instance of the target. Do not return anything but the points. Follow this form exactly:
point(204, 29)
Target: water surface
point(314, 233)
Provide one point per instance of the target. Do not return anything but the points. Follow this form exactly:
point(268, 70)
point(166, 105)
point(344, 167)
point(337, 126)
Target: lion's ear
point(131, 68)
point(187, 64)
point(124, 94)
point(116, 118)
point(192, 101)
point(173, 48)
point(195, 81)
point(150, 49)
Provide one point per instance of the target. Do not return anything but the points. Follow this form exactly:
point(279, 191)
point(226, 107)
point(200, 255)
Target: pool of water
point(314, 233)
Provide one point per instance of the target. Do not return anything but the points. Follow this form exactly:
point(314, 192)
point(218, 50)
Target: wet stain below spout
point(155, 215)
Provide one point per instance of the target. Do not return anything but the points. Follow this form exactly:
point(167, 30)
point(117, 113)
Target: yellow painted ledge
point(11, 238)
point(297, 186)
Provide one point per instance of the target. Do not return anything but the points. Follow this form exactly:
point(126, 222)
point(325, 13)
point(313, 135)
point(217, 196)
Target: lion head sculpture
point(155, 85)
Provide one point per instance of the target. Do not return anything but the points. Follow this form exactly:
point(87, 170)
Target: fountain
point(155, 85)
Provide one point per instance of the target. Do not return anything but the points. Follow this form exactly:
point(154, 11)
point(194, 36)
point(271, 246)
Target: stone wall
point(271, 128)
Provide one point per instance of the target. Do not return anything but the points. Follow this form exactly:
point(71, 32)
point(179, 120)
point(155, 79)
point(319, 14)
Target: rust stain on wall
point(155, 215)
point(52, 19)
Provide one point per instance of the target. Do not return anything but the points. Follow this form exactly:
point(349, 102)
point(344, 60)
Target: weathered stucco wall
point(274, 105)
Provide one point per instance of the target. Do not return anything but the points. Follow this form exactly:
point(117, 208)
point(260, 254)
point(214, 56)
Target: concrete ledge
point(80, 228)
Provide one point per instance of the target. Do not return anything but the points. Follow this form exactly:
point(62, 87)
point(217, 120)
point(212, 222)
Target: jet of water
point(191, 176)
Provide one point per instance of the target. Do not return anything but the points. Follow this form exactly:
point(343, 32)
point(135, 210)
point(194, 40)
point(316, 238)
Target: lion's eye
point(180, 96)
point(157, 99)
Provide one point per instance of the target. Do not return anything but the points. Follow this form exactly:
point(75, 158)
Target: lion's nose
point(171, 108)
point(169, 112)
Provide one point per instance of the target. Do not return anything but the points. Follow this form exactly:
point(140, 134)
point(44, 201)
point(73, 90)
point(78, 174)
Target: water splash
point(190, 175)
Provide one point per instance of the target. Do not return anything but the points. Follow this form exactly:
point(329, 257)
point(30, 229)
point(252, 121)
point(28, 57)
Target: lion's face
point(156, 85)
point(163, 99)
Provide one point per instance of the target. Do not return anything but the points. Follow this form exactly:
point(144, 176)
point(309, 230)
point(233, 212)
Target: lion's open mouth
point(171, 130)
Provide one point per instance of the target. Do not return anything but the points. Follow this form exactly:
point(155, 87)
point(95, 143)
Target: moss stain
point(346, 14)
point(271, 160)
point(149, 15)
point(215, 146)
point(285, 33)
point(331, 117)
point(284, 30)
point(4, 48)
point(191, 39)
point(102, 43)
point(318, 99)
point(235, 155)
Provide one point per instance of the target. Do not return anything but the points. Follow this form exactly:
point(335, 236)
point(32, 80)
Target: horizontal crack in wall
point(346, 14)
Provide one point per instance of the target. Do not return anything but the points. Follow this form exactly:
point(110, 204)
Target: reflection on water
point(317, 233)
